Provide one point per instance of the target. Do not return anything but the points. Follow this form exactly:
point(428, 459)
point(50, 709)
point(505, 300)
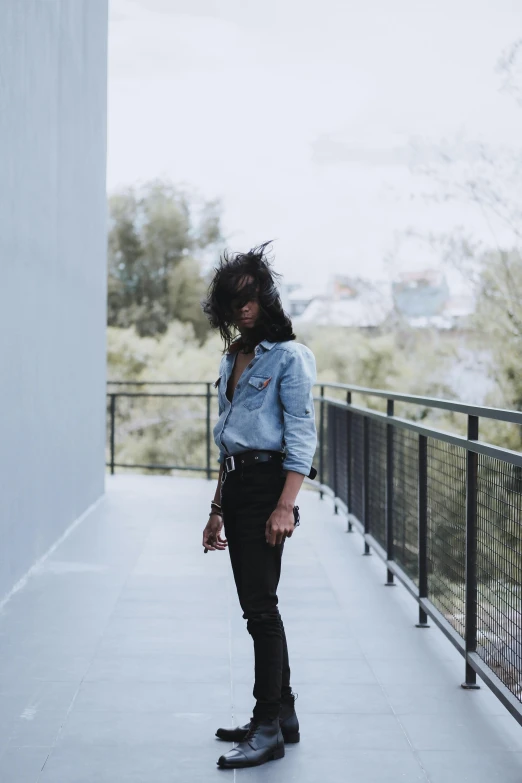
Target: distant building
point(421, 299)
point(299, 297)
point(349, 302)
point(421, 294)
point(425, 301)
point(342, 287)
point(459, 307)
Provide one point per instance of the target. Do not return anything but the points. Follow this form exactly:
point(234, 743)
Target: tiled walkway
point(126, 650)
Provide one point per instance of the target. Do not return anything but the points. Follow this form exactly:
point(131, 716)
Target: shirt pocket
point(255, 392)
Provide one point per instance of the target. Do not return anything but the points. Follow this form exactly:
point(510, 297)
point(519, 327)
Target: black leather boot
point(263, 742)
point(287, 720)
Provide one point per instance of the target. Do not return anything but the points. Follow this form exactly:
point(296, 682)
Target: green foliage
point(163, 430)
point(156, 237)
point(186, 290)
point(415, 361)
point(175, 355)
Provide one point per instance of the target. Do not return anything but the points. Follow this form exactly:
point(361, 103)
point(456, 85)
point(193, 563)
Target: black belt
point(246, 458)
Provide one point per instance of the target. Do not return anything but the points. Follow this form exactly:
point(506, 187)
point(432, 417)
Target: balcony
point(124, 649)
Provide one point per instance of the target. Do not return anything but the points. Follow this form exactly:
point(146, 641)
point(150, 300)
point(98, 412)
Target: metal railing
point(158, 421)
point(443, 511)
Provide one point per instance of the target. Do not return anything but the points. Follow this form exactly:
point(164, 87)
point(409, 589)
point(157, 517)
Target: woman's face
point(245, 313)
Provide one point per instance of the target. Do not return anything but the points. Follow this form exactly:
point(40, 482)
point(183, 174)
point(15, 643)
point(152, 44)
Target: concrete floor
point(126, 649)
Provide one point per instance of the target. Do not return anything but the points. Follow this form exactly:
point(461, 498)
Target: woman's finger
point(212, 542)
point(208, 541)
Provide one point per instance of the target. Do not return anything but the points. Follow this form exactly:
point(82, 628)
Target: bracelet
point(215, 505)
point(216, 513)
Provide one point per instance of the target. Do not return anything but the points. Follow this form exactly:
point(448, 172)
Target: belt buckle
point(232, 462)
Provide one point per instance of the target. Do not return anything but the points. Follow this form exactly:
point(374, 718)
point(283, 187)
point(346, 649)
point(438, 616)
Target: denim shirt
point(272, 407)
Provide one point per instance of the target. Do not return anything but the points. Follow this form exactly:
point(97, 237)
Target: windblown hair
point(228, 291)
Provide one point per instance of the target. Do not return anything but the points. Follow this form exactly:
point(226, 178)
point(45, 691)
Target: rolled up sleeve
point(221, 455)
point(296, 393)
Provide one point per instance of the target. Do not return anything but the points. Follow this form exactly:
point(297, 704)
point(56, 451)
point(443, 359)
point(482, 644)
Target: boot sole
point(277, 754)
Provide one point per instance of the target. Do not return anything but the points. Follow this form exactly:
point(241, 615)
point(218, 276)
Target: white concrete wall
point(53, 74)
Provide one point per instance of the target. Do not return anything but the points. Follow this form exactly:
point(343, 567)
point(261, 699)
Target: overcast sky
point(300, 114)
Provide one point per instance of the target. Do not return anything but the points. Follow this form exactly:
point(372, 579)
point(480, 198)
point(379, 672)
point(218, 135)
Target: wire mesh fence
point(499, 570)
point(341, 454)
point(356, 504)
point(447, 530)
point(377, 480)
point(337, 453)
point(324, 431)
point(405, 512)
point(448, 519)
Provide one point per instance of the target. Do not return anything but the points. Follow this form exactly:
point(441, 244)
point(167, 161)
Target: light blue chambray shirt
point(272, 407)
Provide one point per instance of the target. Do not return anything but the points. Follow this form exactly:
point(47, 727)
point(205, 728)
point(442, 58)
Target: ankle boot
point(263, 742)
point(287, 720)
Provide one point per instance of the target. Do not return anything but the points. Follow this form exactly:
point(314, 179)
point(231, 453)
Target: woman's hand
point(282, 520)
point(211, 534)
point(280, 525)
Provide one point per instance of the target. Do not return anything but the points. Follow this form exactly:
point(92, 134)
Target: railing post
point(333, 462)
point(113, 411)
point(209, 474)
point(423, 527)
point(470, 633)
point(321, 442)
point(366, 480)
point(349, 421)
point(389, 492)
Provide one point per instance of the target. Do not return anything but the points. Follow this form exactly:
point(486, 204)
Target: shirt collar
point(266, 344)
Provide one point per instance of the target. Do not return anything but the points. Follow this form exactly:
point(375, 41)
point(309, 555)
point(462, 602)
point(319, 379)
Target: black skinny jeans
point(248, 497)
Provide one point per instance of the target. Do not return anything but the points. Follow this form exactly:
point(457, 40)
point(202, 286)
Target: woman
point(266, 438)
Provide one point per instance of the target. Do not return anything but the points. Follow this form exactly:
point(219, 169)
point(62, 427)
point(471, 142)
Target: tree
point(157, 236)
point(186, 290)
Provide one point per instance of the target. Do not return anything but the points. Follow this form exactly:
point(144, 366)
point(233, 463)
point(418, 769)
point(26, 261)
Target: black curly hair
point(228, 292)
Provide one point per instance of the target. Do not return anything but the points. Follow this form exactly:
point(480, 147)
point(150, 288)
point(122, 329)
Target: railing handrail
point(479, 447)
point(158, 383)
point(483, 411)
